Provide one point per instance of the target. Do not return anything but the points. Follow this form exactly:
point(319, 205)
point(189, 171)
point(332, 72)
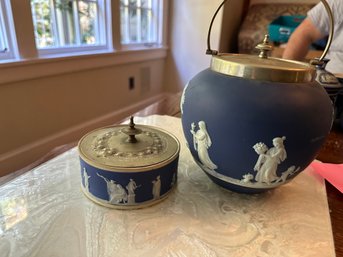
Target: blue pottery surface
point(128, 167)
point(249, 135)
point(102, 186)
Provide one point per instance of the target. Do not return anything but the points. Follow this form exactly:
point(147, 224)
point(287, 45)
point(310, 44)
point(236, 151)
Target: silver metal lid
point(128, 148)
point(262, 67)
point(267, 69)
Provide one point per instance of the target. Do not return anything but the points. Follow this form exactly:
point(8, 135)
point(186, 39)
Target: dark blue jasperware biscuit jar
point(128, 167)
point(253, 134)
point(252, 123)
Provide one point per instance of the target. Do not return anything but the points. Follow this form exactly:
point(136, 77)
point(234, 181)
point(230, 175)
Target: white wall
point(38, 114)
point(189, 24)
point(48, 102)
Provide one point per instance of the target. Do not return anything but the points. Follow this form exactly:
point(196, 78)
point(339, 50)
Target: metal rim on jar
point(302, 73)
point(268, 69)
point(117, 168)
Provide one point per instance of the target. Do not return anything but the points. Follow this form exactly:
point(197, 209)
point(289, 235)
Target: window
point(139, 21)
point(7, 49)
point(61, 28)
point(69, 25)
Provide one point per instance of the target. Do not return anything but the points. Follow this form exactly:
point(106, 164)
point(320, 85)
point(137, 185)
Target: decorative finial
point(132, 124)
point(131, 131)
point(264, 47)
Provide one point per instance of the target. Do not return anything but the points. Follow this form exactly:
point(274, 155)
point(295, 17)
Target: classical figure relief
point(156, 187)
point(201, 143)
point(269, 159)
point(264, 172)
point(86, 178)
point(116, 192)
point(131, 187)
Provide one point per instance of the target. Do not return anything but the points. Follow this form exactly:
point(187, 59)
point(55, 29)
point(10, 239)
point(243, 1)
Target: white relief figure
point(289, 172)
point(173, 180)
point(269, 160)
point(156, 187)
point(131, 187)
point(120, 195)
point(86, 179)
point(247, 178)
point(260, 149)
point(201, 142)
point(116, 193)
point(183, 98)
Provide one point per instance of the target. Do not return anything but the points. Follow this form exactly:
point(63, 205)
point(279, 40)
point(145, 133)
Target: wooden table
point(332, 152)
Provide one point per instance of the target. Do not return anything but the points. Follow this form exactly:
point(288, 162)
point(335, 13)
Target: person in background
point(316, 26)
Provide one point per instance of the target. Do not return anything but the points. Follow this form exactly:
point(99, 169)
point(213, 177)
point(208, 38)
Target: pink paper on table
point(331, 172)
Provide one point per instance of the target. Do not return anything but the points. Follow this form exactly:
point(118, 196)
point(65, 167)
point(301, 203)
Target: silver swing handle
point(313, 62)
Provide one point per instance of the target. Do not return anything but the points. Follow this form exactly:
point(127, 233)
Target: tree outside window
point(139, 21)
point(7, 39)
point(65, 23)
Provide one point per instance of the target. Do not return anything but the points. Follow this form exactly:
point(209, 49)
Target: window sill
point(18, 70)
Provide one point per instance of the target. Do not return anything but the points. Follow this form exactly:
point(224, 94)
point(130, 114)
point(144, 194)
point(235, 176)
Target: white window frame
point(103, 44)
point(8, 43)
point(157, 10)
point(31, 64)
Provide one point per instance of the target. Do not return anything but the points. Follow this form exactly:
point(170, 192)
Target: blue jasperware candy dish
point(128, 167)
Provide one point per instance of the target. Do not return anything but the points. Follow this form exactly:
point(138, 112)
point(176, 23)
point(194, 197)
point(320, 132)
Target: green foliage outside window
point(64, 22)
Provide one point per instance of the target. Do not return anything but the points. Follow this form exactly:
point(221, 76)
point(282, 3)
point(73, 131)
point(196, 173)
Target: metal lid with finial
point(128, 147)
point(263, 67)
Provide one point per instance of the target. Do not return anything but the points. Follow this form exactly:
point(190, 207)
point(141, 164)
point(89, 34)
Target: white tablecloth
point(44, 213)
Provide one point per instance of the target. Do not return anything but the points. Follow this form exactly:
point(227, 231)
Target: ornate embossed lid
point(128, 148)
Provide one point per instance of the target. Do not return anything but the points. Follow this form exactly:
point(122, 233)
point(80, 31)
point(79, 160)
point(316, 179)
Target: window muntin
point(63, 25)
point(3, 40)
point(7, 46)
point(94, 36)
point(139, 21)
